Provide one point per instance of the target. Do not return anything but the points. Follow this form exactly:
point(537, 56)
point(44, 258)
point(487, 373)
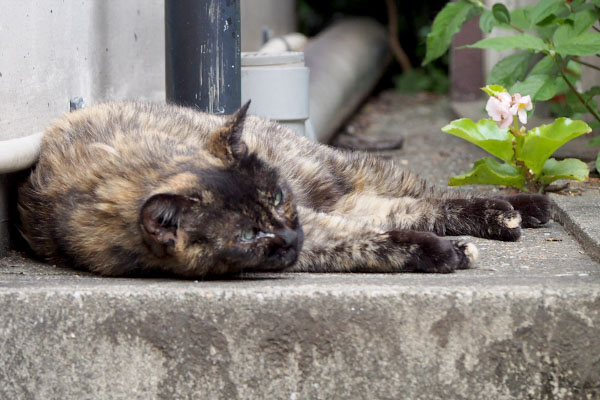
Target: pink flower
point(503, 108)
point(520, 105)
point(499, 108)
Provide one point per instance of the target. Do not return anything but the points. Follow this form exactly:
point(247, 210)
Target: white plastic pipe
point(290, 42)
point(346, 61)
point(278, 85)
point(21, 153)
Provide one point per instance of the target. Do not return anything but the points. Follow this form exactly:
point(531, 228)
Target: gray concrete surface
point(580, 215)
point(524, 324)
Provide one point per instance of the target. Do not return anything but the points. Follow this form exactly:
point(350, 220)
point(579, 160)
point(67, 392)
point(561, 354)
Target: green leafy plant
point(549, 38)
point(525, 155)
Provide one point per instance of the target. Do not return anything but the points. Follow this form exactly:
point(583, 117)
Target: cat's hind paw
point(535, 209)
point(486, 218)
point(427, 252)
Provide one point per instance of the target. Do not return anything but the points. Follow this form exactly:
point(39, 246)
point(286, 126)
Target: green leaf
point(569, 168)
point(594, 142)
point(523, 41)
point(447, 23)
point(563, 34)
point(598, 163)
point(545, 66)
point(583, 20)
point(510, 69)
point(539, 87)
point(544, 9)
point(484, 134)
point(541, 142)
point(549, 20)
point(573, 69)
point(487, 22)
point(493, 90)
point(585, 44)
point(501, 13)
point(575, 104)
point(488, 171)
point(521, 18)
point(561, 85)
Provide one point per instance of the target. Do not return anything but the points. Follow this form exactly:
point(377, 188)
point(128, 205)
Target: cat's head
point(217, 220)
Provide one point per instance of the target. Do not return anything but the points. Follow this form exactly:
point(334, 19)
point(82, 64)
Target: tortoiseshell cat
point(132, 189)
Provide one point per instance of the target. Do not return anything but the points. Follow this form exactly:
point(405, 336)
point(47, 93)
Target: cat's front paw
point(535, 209)
point(427, 252)
point(467, 253)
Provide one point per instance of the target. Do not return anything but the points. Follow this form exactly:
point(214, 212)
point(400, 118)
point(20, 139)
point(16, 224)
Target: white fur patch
point(472, 253)
point(105, 147)
point(512, 223)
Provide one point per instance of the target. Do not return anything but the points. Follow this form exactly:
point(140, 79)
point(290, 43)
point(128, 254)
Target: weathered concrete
point(580, 215)
point(524, 324)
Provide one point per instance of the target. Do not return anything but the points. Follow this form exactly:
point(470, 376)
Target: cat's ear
point(160, 222)
point(226, 143)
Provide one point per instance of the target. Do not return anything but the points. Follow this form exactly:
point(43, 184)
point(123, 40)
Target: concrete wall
point(97, 49)
point(278, 16)
point(54, 50)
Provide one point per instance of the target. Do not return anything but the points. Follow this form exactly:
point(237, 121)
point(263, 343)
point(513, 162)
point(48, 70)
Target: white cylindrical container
point(278, 85)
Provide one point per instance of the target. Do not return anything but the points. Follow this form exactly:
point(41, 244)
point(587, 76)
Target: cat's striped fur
point(130, 188)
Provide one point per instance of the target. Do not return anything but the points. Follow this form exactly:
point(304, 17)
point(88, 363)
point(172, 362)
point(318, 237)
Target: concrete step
point(524, 324)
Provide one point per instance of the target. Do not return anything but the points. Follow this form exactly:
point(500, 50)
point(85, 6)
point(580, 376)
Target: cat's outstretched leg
point(490, 218)
point(495, 218)
point(337, 244)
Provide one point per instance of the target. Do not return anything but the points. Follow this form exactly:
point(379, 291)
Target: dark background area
point(414, 23)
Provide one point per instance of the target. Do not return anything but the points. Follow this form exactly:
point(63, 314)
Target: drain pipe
point(202, 54)
point(346, 61)
point(20, 153)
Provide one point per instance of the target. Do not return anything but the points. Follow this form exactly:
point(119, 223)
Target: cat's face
point(241, 217)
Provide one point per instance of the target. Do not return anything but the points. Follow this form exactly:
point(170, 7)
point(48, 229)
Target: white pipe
point(290, 42)
point(21, 153)
point(346, 61)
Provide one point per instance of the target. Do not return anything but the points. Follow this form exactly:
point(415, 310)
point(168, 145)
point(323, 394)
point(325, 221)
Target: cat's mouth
point(285, 254)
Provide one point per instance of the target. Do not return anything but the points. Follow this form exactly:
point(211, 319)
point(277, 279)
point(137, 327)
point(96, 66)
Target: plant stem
point(394, 43)
point(581, 99)
point(516, 28)
point(586, 64)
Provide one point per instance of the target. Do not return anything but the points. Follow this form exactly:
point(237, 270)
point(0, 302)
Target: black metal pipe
point(203, 49)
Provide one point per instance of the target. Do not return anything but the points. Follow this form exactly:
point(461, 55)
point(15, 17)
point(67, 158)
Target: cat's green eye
point(277, 199)
point(248, 234)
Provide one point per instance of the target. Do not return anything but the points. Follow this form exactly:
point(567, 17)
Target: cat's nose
point(287, 237)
